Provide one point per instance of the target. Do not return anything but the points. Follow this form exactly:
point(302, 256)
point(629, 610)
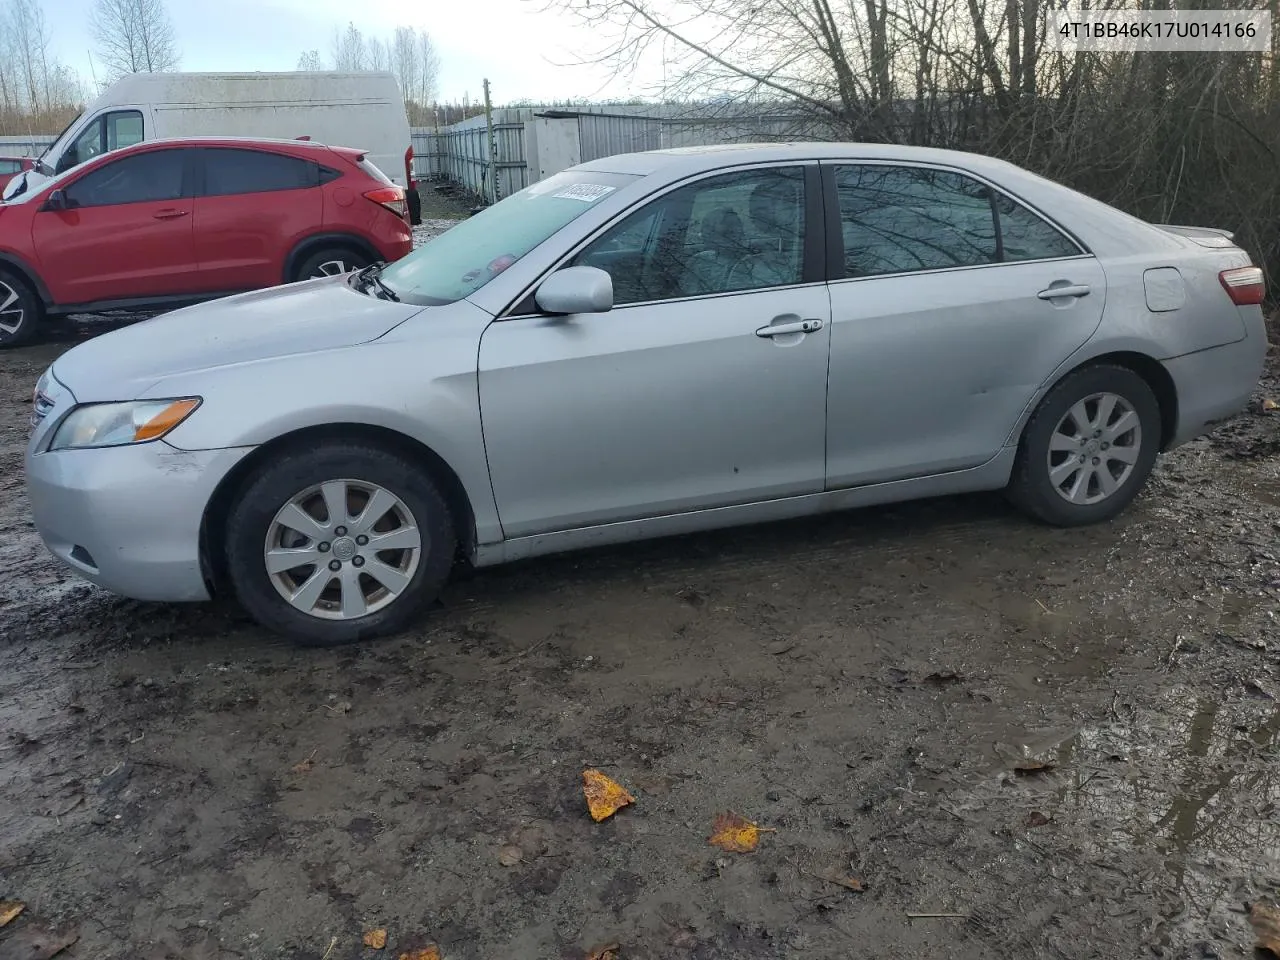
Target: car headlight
point(120, 424)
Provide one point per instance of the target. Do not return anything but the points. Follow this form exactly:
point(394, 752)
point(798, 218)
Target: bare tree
point(349, 49)
point(38, 94)
point(310, 60)
point(134, 36)
point(377, 55)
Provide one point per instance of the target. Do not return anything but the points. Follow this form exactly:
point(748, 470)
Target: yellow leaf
point(9, 909)
point(604, 796)
point(1265, 920)
point(734, 833)
point(377, 939)
point(1269, 404)
point(430, 953)
point(607, 952)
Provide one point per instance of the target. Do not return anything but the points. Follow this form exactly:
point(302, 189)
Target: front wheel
point(19, 311)
point(1088, 448)
point(341, 543)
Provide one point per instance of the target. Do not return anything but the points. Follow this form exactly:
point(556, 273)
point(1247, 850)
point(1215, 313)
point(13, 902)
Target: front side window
point(729, 233)
point(122, 128)
point(228, 171)
point(141, 178)
point(458, 263)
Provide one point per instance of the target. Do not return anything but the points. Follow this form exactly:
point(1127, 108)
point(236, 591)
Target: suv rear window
point(369, 167)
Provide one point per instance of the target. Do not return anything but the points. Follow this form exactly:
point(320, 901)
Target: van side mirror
point(56, 201)
point(576, 290)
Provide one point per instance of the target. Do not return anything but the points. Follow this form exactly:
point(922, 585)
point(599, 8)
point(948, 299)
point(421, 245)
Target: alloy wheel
point(330, 268)
point(12, 312)
point(1094, 448)
point(343, 549)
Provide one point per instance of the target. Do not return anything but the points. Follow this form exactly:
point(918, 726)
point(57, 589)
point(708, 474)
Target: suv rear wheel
point(330, 262)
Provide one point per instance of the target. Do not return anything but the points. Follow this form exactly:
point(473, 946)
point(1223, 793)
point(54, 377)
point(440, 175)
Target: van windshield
point(58, 139)
point(458, 263)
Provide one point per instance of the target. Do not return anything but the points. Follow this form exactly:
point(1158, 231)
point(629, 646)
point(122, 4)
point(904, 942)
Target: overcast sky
point(520, 50)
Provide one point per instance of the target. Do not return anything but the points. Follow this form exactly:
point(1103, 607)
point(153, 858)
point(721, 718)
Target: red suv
point(171, 222)
point(10, 167)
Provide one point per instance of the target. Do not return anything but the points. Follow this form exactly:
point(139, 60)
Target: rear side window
point(10, 166)
point(901, 219)
point(141, 178)
point(229, 171)
point(1026, 236)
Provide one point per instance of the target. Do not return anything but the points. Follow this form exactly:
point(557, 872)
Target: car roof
point(161, 142)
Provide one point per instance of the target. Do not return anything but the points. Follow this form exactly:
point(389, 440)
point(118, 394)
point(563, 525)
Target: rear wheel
point(1088, 448)
point(340, 543)
point(330, 262)
point(415, 206)
point(20, 311)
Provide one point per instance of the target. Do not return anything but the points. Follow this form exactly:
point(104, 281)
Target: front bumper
point(128, 518)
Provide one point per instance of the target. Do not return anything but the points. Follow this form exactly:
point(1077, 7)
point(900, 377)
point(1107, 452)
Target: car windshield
point(458, 263)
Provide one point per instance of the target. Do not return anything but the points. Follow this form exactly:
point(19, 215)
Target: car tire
point(415, 207)
point(1071, 474)
point(325, 612)
point(20, 311)
point(329, 262)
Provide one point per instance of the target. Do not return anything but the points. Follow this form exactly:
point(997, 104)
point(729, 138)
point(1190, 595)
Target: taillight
point(390, 197)
point(408, 167)
point(1244, 285)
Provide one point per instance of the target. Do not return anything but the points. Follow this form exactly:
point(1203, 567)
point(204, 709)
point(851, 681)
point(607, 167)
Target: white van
point(362, 110)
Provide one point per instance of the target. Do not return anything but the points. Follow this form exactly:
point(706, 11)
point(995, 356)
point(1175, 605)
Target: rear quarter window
point(231, 171)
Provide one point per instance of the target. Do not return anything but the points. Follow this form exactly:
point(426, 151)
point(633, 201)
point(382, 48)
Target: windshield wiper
point(369, 276)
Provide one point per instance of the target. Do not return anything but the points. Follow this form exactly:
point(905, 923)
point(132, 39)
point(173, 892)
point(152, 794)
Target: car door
point(251, 207)
point(124, 232)
point(944, 323)
point(704, 385)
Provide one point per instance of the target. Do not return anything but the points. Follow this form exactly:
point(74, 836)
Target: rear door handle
point(1067, 290)
point(169, 214)
point(794, 326)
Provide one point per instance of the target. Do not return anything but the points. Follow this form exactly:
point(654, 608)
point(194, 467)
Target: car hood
point(297, 318)
point(25, 180)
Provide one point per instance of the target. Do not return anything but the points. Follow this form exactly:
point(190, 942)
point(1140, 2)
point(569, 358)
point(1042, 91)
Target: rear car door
point(125, 233)
point(704, 386)
point(252, 207)
point(945, 319)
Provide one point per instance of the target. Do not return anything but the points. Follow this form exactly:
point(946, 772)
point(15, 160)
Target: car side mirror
point(56, 201)
point(576, 290)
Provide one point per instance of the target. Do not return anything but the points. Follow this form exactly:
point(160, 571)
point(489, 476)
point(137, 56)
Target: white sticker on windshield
point(586, 192)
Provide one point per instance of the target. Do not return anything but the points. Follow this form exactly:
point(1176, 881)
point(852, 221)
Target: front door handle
point(793, 326)
point(1066, 290)
point(169, 214)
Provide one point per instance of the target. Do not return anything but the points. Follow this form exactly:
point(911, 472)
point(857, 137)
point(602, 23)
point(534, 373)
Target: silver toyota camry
point(643, 345)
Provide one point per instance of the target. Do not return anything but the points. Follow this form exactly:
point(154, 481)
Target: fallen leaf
point(375, 939)
point(1269, 404)
point(429, 953)
point(343, 707)
point(9, 909)
point(1035, 819)
point(833, 876)
point(1265, 920)
point(1258, 688)
point(1029, 767)
point(34, 943)
point(510, 855)
point(605, 797)
point(734, 833)
point(303, 767)
point(608, 952)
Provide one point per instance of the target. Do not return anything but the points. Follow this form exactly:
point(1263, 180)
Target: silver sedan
point(643, 345)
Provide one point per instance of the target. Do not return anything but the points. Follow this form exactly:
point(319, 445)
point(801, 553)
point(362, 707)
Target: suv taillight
point(390, 197)
point(1244, 285)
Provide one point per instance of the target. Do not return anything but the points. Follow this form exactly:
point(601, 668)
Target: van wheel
point(342, 542)
point(20, 311)
point(415, 207)
point(330, 262)
point(1088, 448)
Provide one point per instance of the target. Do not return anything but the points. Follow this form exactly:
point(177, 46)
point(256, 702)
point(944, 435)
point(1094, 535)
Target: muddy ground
point(175, 783)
